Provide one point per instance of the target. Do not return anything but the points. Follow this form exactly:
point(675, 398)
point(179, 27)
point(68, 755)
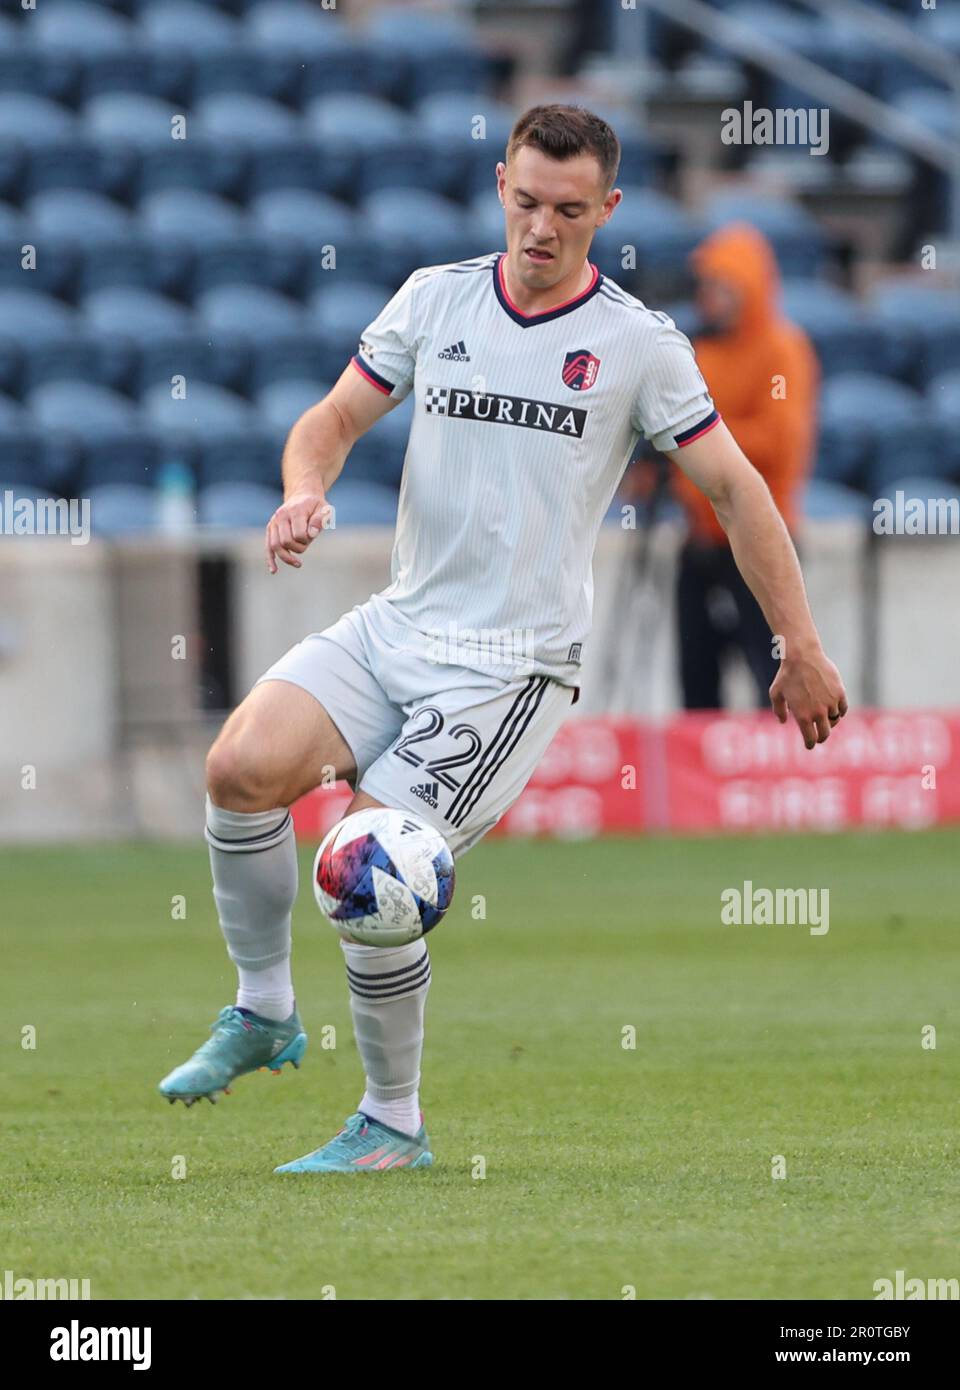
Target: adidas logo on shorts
point(427, 791)
point(456, 352)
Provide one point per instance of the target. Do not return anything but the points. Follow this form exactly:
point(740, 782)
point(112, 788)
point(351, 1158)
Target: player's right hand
point(297, 522)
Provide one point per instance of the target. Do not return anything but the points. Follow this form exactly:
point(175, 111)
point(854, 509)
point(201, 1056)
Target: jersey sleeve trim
point(698, 430)
point(374, 378)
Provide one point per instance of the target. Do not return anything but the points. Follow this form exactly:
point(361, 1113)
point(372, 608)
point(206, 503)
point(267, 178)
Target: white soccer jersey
point(523, 426)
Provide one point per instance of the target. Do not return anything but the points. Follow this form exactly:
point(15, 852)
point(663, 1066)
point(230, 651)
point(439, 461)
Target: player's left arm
point(808, 685)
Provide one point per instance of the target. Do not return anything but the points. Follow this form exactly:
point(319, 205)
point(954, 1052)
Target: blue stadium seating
point(130, 118)
point(341, 312)
point(78, 28)
point(122, 311)
point(797, 239)
point(185, 24)
point(658, 229)
point(207, 412)
point(243, 119)
point(843, 333)
point(858, 411)
point(248, 311)
point(297, 214)
point(921, 327)
point(282, 402)
point(415, 228)
point(237, 504)
point(81, 408)
point(189, 215)
point(822, 500)
point(73, 214)
point(123, 509)
point(359, 503)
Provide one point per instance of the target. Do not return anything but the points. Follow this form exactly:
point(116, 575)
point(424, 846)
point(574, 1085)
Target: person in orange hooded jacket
point(763, 375)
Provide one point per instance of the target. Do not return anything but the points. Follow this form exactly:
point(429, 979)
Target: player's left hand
point(809, 687)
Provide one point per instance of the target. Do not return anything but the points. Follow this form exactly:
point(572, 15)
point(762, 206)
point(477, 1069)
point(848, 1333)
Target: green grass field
point(605, 1167)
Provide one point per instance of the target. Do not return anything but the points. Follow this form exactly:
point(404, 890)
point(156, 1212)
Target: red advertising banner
point(727, 772)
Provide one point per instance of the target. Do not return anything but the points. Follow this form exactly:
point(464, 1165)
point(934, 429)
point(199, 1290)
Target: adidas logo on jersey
point(427, 791)
point(457, 352)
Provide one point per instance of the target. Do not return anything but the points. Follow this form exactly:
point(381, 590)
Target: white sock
point(402, 1114)
point(267, 992)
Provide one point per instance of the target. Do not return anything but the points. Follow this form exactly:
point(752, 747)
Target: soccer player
point(533, 377)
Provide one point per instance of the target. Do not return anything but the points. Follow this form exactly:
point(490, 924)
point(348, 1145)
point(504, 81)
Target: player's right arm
point(313, 458)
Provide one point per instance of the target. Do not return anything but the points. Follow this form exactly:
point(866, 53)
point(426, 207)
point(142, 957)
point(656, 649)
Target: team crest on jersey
point(580, 369)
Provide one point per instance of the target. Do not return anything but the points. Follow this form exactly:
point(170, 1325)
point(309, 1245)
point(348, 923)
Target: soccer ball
point(383, 877)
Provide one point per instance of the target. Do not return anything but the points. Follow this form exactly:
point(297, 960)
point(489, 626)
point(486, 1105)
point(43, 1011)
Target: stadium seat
point(75, 215)
point(289, 358)
point(358, 503)
point(920, 322)
point(189, 215)
point(464, 162)
point(379, 454)
point(295, 213)
point(280, 403)
point(12, 415)
point(358, 122)
point(209, 166)
point(76, 163)
point(81, 408)
point(194, 357)
point(206, 412)
point(237, 504)
point(81, 28)
point(858, 411)
point(300, 163)
point(292, 24)
point(30, 466)
point(797, 238)
point(341, 312)
point(123, 509)
point(247, 311)
point(244, 120)
point(822, 500)
point(417, 228)
point(187, 25)
point(129, 118)
point(248, 456)
point(844, 335)
point(77, 357)
point(29, 317)
point(659, 231)
point(126, 312)
point(943, 397)
point(27, 119)
point(80, 420)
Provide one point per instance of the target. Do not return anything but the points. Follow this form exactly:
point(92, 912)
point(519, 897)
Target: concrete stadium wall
point(92, 699)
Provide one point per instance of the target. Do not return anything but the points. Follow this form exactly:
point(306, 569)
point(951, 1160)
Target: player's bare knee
point(237, 780)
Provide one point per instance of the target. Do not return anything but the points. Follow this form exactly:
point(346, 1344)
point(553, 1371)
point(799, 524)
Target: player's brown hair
point(565, 131)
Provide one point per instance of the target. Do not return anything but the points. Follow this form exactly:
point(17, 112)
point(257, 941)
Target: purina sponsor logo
point(456, 352)
point(427, 791)
point(76, 1343)
point(13, 1288)
point(456, 404)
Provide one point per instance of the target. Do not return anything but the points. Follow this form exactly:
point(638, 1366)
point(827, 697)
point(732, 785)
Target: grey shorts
point(454, 745)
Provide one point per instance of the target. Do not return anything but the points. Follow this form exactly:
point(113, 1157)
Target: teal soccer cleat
point(241, 1042)
point(365, 1146)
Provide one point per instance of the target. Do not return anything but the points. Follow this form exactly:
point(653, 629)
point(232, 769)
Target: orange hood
point(742, 257)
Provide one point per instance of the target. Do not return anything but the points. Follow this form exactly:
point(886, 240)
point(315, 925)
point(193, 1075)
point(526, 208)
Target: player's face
point(553, 208)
